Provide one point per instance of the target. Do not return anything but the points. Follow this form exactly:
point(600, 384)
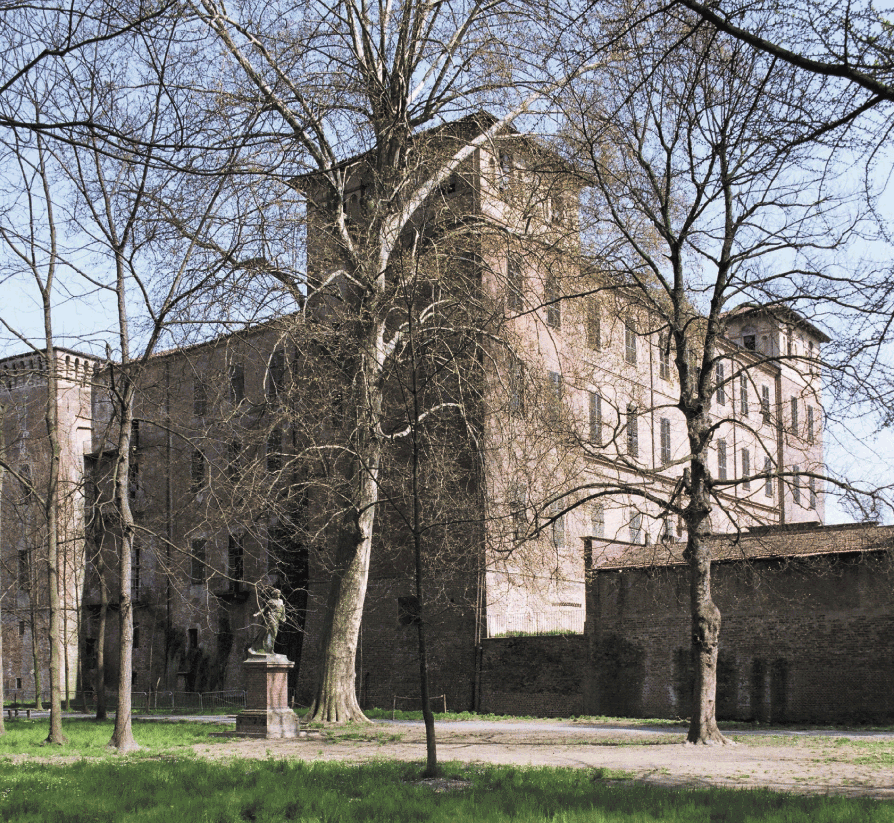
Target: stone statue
point(273, 612)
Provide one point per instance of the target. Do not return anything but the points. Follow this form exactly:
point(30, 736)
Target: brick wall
point(387, 654)
point(808, 640)
point(539, 676)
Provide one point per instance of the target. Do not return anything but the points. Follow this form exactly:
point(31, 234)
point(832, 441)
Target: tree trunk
point(35, 652)
point(336, 698)
point(705, 614)
point(101, 640)
point(122, 737)
point(2, 479)
point(55, 736)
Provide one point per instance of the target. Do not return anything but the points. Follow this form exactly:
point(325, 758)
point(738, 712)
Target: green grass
point(165, 789)
point(88, 738)
point(385, 714)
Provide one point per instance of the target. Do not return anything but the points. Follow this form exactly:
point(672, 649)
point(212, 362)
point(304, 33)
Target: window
point(237, 382)
point(555, 386)
point(719, 380)
point(594, 324)
point(553, 303)
point(595, 418)
point(197, 471)
point(234, 456)
point(812, 485)
point(135, 571)
point(21, 627)
point(597, 519)
point(18, 682)
point(746, 468)
point(408, 612)
point(136, 640)
point(796, 485)
point(24, 572)
point(506, 167)
point(557, 527)
point(274, 451)
point(664, 367)
point(636, 528)
point(665, 441)
point(743, 393)
point(768, 481)
point(133, 478)
point(632, 431)
point(721, 459)
point(27, 484)
point(765, 403)
point(667, 529)
point(629, 343)
point(235, 560)
point(517, 504)
point(193, 639)
point(515, 285)
point(199, 398)
point(794, 415)
point(197, 566)
point(276, 374)
point(749, 341)
point(516, 386)
point(810, 430)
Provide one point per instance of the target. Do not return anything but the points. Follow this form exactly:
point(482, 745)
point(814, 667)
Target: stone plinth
point(267, 712)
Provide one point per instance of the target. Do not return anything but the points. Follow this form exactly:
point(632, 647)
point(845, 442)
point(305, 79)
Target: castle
point(578, 394)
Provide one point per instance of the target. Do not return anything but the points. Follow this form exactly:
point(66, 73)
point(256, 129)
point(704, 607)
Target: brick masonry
point(801, 640)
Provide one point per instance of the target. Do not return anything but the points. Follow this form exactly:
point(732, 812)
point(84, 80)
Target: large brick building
point(579, 390)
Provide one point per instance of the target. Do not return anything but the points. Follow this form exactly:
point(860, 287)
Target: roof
point(464, 129)
point(40, 353)
point(781, 313)
point(758, 543)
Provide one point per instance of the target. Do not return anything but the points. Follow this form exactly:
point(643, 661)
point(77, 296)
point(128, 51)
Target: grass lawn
point(168, 788)
point(88, 737)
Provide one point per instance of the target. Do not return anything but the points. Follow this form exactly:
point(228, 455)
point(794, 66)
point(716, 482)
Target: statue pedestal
point(267, 713)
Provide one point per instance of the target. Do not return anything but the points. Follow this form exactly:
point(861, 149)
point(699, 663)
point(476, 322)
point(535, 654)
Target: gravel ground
point(802, 761)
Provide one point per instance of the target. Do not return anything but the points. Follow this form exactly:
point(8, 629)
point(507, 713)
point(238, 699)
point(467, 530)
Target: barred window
point(597, 518)
point(743, 393)
point(198, 473)
point(515, 284)
point(664, 370)
point(632, 431)
point(768, 481)
point(516, 386)
point(665, 441)
point(721, 459)
point(553, 304)
point(746, 468)
point(198, 570)
point(719, 378)
point(629, 343)
point(594, 325)
point(595, 418)
point(636, 528)
point(765, 403)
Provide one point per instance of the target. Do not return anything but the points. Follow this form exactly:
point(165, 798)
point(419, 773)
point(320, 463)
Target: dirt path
point(802, 763)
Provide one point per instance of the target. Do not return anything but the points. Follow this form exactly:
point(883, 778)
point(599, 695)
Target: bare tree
point(699, 176)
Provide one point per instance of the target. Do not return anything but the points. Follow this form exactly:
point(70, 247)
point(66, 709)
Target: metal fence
point(522, 624)
point(174, 702)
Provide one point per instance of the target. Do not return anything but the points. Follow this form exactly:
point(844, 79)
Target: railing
point(523, 624)
point(164, 701)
